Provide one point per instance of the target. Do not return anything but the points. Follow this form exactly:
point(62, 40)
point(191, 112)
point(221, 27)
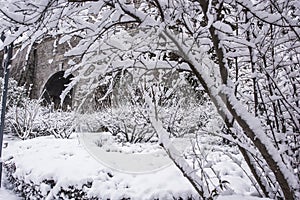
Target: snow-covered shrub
point(202, 155)
point(31, 120)
point(130, 123)
point(127, 124)
point(16, 95)
point(181, 104)
point(92, 122)
point(31, 190)
point(180, 121)
point(23, 119)
point(60, 123)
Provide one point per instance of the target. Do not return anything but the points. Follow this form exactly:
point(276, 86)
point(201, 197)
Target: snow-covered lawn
point(46, 167)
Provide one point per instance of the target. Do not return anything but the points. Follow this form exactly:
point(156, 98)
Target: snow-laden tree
point(244, 53)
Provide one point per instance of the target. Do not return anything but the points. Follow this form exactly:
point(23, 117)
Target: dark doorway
point(53, 89)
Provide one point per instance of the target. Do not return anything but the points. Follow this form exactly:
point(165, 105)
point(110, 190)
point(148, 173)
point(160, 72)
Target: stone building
point(43, 72)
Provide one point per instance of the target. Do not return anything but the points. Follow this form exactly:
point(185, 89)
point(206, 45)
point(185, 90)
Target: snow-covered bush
point(31, 120)
point(127, 124)
point(130, 123)
point(60, 123)
point(26, 117)
point(180, 121)
point(30, 190)
point(16, 95)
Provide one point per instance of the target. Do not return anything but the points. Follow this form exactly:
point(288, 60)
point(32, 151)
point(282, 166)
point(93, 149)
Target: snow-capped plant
point(16, 94)
point(127, 124)
point(130, 123)
point(31, 119)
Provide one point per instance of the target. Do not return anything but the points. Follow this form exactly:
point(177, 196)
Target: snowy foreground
point(50, 168)
point(5, 194)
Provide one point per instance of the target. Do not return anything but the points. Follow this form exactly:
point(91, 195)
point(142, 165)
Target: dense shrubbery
point(128, 124)
point(131, 123)
point(27, 118)
point(15, 94)
point(180, 102)
point(32, 120)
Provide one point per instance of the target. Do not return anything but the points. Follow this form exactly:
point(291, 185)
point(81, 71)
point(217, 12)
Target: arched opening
point(53, 89)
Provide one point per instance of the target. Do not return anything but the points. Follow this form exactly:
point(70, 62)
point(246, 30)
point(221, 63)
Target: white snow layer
point(8, 195)
point(67, 162)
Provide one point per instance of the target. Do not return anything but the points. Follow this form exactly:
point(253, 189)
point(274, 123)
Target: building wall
point(49, 59)
point(45, 59)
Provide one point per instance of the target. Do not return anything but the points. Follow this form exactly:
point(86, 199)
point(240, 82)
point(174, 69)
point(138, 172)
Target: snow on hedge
point(53, 168)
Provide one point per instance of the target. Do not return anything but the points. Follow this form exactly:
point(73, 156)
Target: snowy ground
point(8, 195)
point(55, 166)
point(135, 158)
